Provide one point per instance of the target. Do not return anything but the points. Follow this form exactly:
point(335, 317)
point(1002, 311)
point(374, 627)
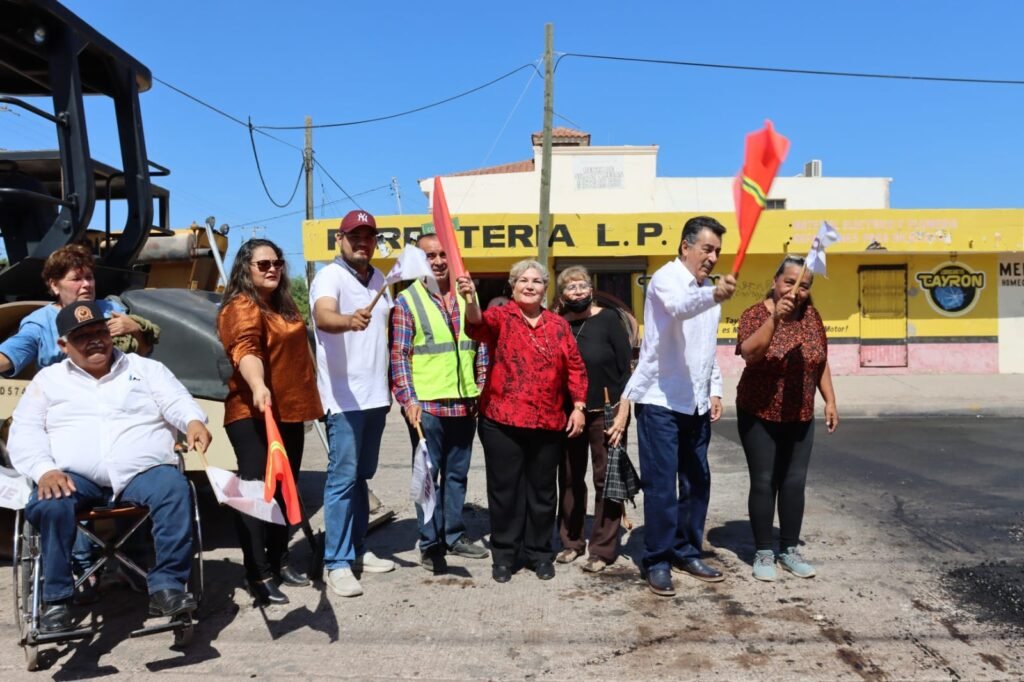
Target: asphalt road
point(956, 486)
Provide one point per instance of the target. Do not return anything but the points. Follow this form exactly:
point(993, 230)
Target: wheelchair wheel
point(25, 565)
point(183, 635)
point(31, 657)
point(197, 577)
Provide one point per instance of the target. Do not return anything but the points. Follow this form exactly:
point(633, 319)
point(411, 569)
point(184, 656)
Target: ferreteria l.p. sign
point(525, 236)
point(952, 288)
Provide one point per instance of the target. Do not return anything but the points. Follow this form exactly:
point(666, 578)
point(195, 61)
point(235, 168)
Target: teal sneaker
point(764, 565)
point(794, 563)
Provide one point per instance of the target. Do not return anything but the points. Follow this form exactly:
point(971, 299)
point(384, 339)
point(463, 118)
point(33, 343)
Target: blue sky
point(944, 145)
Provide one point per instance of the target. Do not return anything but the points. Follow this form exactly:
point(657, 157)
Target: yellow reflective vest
point(439, 370)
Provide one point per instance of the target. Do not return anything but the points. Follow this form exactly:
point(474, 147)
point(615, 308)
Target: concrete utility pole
point(307, 157)
point(397, 191)
point(544, 228)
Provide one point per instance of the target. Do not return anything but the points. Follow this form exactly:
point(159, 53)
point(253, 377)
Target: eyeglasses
point(582, 286)
point(265, 265)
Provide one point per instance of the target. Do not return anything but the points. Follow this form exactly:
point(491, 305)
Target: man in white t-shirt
point(352, 377)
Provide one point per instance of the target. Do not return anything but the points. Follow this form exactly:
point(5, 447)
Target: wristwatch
point(580, 407)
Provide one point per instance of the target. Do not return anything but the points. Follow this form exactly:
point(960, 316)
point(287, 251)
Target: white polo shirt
point(678, 368)
point(108, 429)
point(352, 367)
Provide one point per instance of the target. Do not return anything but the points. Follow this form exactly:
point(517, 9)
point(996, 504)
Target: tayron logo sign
point(952, 288)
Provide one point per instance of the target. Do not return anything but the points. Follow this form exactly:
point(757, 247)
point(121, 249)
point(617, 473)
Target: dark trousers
point(264, 545)
point(572, 482)
point(163, 489)
point(673, 452)
point(522, 466)
point(449, 445)
point(777, 457)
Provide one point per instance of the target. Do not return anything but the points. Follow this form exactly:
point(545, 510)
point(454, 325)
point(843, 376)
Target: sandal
point(567, 556)
point(594, 565)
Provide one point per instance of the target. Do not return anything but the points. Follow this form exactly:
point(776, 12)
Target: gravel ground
point(880, 608)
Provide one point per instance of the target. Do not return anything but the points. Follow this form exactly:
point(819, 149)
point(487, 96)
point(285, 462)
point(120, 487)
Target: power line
point(410, 111)
point(803, 72)
point(223, 113)
point(259, 170)
point(322, 205)
point(336, 183)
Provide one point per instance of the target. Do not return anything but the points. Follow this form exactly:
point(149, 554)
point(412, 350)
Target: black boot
point(266, 591)
point(292, 577)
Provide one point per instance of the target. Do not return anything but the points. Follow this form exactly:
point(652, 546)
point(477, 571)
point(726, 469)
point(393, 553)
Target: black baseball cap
point(78, 314)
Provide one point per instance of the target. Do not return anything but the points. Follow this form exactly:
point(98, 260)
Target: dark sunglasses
point(265, 265)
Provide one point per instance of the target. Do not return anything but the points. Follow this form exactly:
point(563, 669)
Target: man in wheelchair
point(100, 427)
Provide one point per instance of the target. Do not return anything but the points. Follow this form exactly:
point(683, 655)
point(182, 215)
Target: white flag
point(410, 264)
point(827, 236)
point(14, 489)
point(245, 496)
point(421, 488)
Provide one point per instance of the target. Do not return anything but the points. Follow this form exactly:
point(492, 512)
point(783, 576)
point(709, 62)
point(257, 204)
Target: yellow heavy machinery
point(50, 198)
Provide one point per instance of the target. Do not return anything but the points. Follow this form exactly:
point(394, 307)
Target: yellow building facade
point(908, 291)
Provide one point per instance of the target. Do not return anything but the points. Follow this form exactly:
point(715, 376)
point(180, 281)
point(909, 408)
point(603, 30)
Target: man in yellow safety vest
point(437, 373)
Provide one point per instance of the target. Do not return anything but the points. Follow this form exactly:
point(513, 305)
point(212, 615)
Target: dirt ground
point(879, 609)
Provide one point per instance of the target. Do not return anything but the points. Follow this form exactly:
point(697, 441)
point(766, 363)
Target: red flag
point(765, 151)
point(446, 233)
point(278, 469)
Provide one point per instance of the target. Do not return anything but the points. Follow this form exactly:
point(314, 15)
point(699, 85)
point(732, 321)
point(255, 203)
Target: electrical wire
point(299, 212)
point(409, 111)
point(223, 113)
point(336, 183)
point(259, 170)
point(803, 72)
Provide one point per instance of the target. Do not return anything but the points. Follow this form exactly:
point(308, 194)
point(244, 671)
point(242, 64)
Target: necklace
point(576, 334)
point(545, 350)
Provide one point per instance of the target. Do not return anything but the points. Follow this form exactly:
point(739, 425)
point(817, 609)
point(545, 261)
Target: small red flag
point(765, 151)
point(278, 469)
point(446, 233)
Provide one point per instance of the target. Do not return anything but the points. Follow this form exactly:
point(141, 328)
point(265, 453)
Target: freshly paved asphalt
point(956, 485)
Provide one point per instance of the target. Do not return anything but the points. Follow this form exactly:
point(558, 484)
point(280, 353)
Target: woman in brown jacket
point(265, 338)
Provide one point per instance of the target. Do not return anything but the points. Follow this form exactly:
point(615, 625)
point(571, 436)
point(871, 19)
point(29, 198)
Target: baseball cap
point(78, 314)
point(356, 219)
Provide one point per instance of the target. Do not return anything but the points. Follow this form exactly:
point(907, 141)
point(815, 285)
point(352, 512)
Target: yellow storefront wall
point(922, 240)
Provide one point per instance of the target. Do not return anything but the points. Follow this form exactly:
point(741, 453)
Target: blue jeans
point(673, 447)
point(353, 441)
point(163, 489)
point(449, 444)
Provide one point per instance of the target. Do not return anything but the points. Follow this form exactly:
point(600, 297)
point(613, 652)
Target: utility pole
point(544, 228)
point(307, 159)
point(397, 191)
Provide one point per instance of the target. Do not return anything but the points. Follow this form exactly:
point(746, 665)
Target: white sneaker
point(371, 563)
point(343, 583)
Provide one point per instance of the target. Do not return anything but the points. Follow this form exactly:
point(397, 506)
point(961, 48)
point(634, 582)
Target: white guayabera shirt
point(108, 429)
point(678, 368)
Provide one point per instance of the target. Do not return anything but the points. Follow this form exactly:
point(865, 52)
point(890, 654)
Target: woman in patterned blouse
point(783, 342)
point(536, 377)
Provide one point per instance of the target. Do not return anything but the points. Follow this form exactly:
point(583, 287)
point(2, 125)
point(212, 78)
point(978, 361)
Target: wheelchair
point(127, 520)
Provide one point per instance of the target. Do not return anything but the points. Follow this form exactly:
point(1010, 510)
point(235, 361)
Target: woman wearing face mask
point(68, 274)
point(535, 371)
point(783, 342)
point(604, 346)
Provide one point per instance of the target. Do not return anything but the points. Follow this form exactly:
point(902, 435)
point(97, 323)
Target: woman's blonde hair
point(522, 266)
point(573, 273)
